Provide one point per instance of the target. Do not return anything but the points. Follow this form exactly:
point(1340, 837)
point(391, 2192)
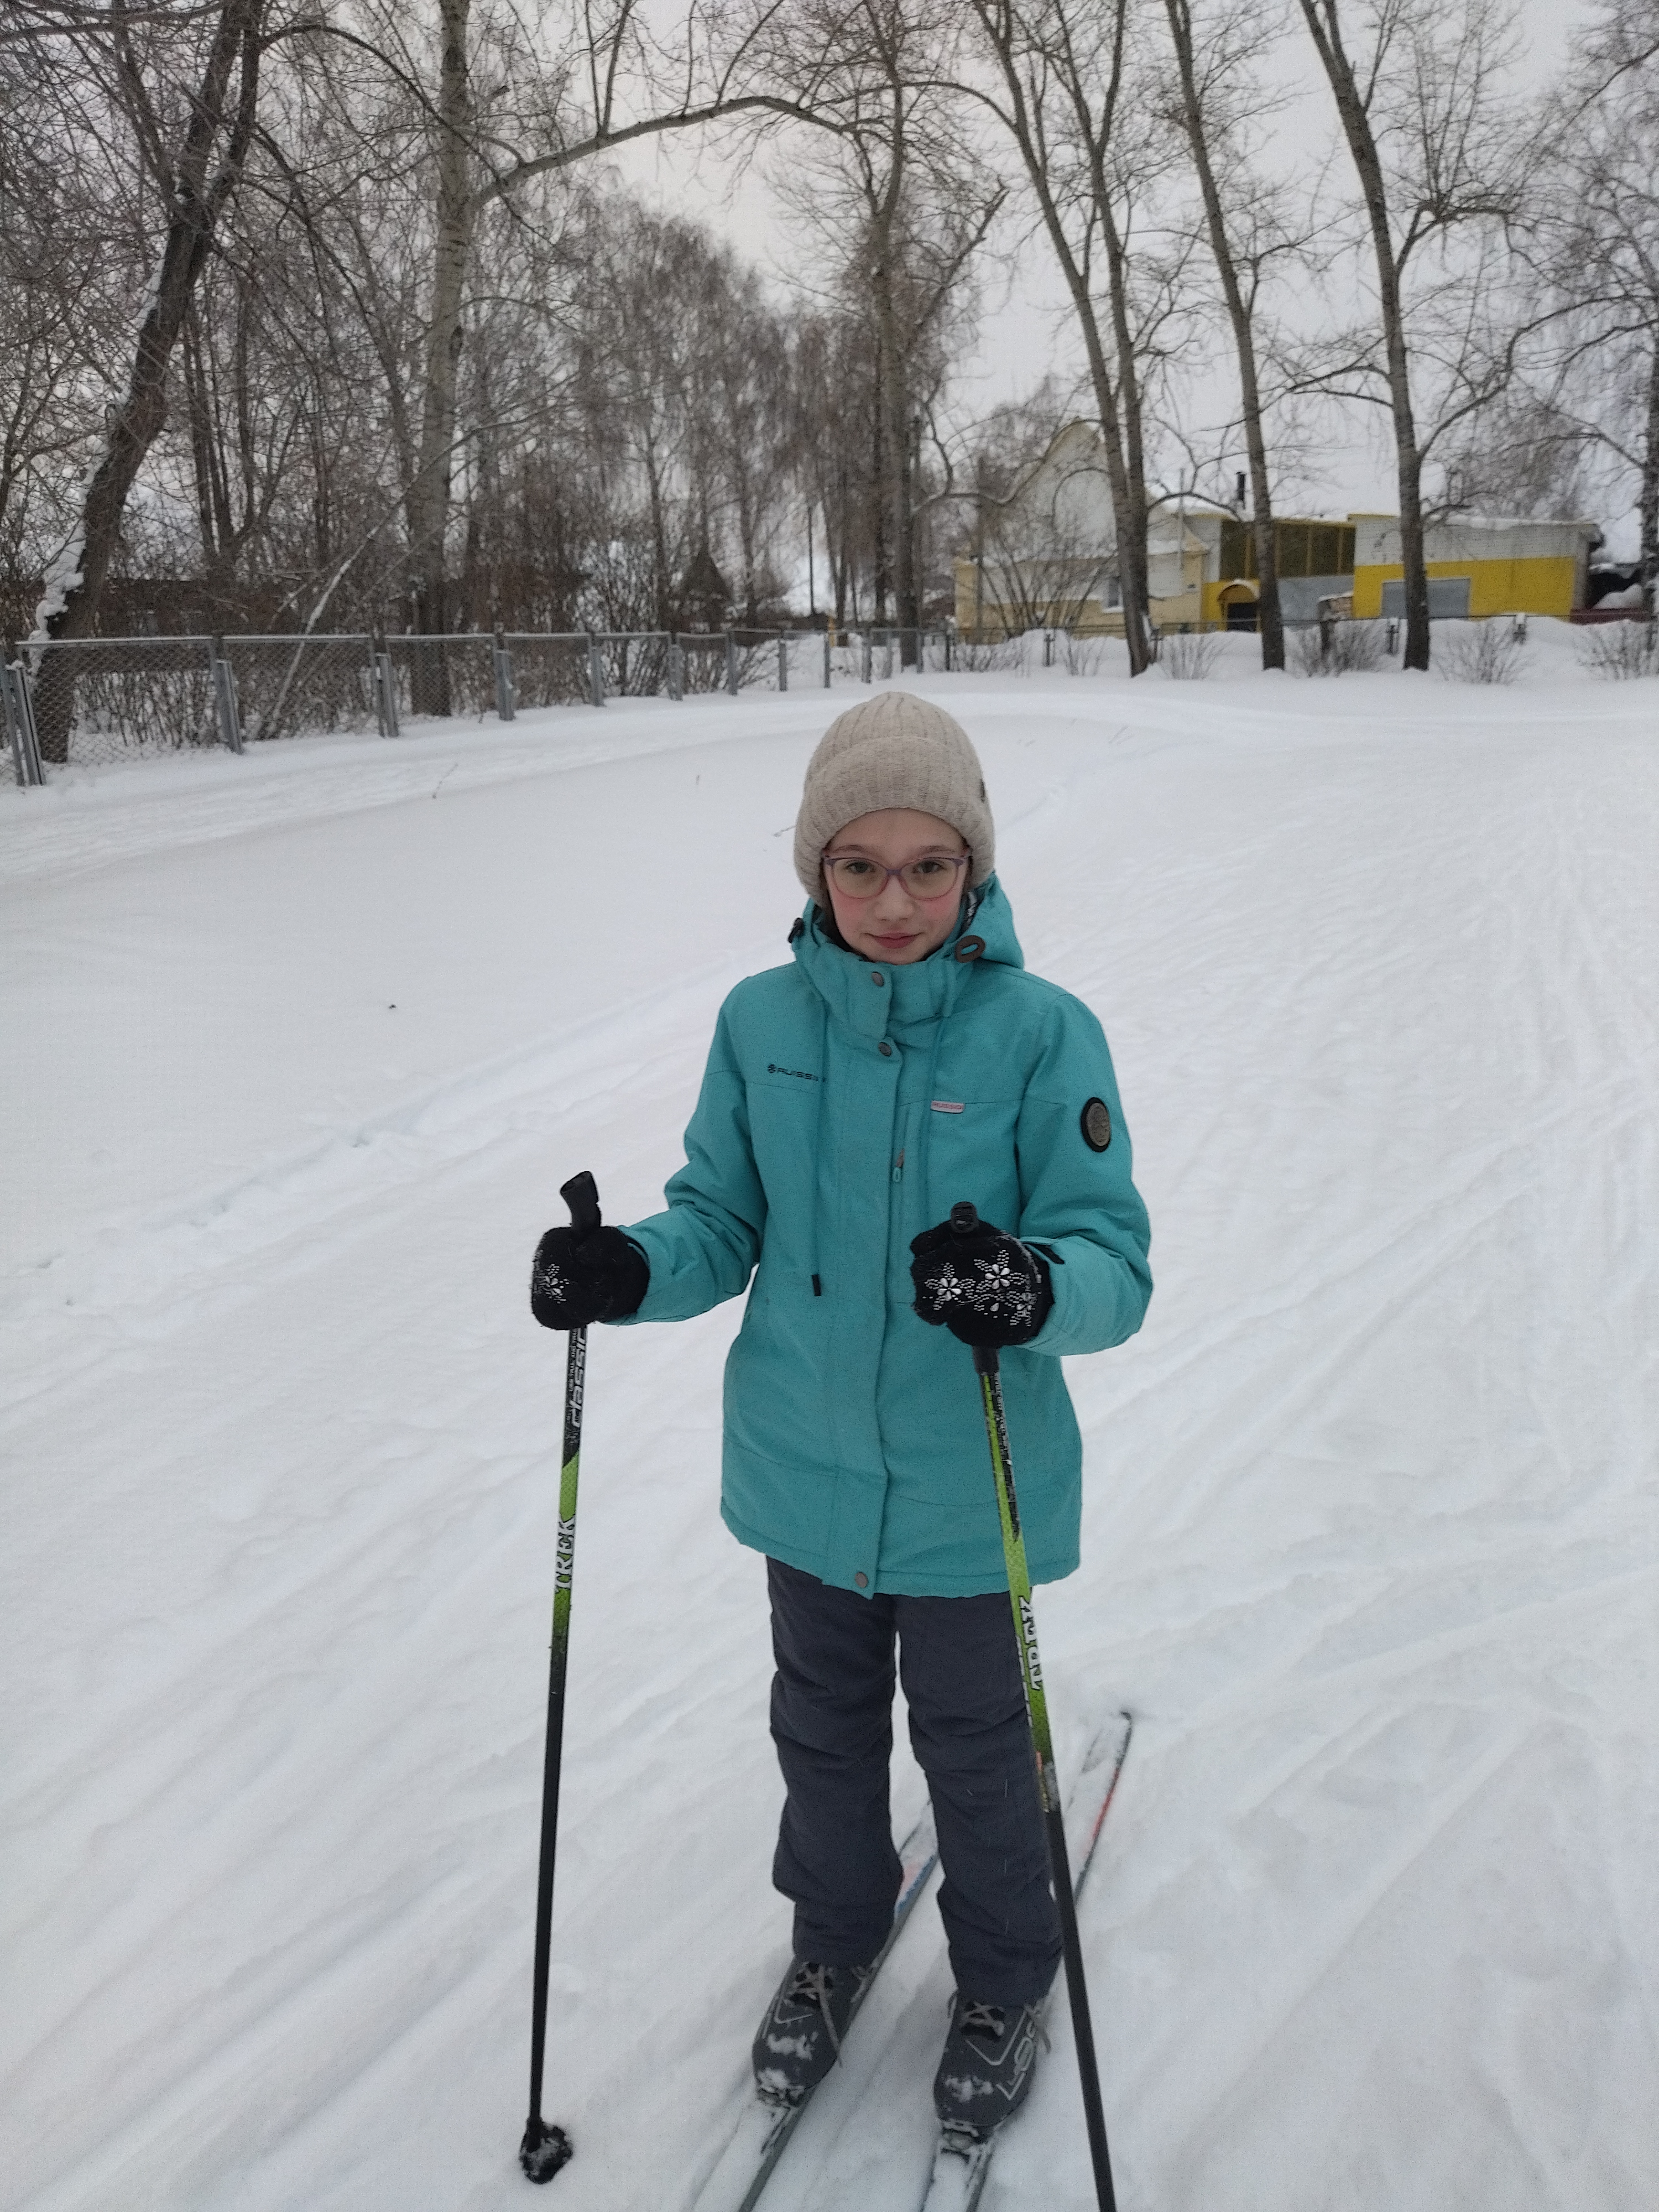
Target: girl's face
point(898, 925)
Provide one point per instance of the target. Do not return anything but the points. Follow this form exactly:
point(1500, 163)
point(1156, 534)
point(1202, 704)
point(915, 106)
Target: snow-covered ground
point(299, 1049)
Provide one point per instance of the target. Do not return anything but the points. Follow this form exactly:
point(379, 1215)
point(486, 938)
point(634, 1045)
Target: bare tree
point(833, 386)
point(898, 202)
point(612, 85)
point(67, 268)
point(194, 164)
point(1596, 249)
point(1216, 91)
point(1436, 149)
point(1066, 87)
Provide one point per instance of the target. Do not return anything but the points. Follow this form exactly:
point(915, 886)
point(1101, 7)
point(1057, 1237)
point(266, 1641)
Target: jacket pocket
point(970, 1154)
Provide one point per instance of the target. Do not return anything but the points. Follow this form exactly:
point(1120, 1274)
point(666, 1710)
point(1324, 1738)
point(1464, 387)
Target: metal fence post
point(947, 652)
point(866, 656)
point(224, 696)
point(676, 668)
point(783, 663)
point(8, 717)
point(595, 671)
point(14, 742)
point(828, 634)
point(20, 715)
point(386, 692)
point(732, 663)
point(14, 733)
point(506, 696)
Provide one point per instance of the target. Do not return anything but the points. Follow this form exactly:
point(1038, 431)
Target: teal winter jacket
point(847, 1107)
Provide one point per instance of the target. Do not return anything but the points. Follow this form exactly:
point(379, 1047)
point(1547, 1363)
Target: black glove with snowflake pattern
point(985, 1286)
point(577, 1279)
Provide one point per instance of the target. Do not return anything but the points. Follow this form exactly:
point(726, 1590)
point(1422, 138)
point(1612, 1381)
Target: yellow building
point(1046, 560)
point(1477, 568)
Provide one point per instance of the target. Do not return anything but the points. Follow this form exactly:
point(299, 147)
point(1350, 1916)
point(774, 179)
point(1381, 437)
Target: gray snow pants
point(832, 1721)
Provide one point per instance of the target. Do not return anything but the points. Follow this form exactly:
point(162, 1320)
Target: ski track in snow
point(302, 1045)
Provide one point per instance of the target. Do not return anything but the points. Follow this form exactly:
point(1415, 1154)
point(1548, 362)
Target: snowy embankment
point(300, 1048)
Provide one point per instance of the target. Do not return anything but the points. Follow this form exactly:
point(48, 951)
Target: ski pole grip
point(582, 1196)
point(964, 1219)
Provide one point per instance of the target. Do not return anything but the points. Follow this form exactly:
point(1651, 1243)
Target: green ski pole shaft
point(987, 1366)
point(545, 2147)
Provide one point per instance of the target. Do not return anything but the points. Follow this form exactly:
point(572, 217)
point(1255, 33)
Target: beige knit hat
point(895, 749)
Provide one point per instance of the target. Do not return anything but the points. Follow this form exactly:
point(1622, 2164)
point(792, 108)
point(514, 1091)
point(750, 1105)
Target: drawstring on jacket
point(818, 1152)
point(797, 931)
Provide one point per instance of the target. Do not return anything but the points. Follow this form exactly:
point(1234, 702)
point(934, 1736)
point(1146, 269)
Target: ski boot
point(985, 2074)
point(799, 2039)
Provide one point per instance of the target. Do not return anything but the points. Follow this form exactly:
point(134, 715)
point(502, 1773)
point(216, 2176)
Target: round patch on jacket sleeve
point(1096, 1125)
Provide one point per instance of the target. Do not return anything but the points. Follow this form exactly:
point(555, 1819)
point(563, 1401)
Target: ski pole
point(964, 1221)
point(545, 2147)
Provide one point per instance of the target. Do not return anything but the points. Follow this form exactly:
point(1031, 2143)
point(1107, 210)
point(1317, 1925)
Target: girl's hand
point(986, 1287)
point(602, 1278)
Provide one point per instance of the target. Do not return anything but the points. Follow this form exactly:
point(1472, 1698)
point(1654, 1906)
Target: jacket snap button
point(885, 1049)
point(877, 977)
point(862, 1580)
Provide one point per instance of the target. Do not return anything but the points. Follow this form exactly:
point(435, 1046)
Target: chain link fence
point(314, 683)
point(443, 676)
point(96, 701)
point(549, 668)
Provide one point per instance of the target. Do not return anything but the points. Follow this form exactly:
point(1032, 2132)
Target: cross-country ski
point(764, 2128)
point(961, 2163)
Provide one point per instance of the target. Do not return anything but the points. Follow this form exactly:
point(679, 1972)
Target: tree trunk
point(426, 505)
point(195, 199)
point(997, 21)
point(1321, 20)
point(211, 518)
point(878, 493)
point(662, 583)
point(909, 559)
point(1133, 564)
point(1269, 613)
point(837, 548)
point(1648, 497)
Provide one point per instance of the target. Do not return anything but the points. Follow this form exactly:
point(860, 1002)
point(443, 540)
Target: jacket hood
point(915, 992)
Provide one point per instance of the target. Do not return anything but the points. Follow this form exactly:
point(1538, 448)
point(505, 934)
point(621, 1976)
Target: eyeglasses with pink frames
point(856, 877)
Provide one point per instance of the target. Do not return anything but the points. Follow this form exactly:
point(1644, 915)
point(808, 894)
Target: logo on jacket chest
point(799, 1073)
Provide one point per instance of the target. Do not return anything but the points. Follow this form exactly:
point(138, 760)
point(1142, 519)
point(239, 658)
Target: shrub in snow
point(1083, 655)
point(1339, 648)
point(1480, 653)
point(1621, 649)
point(986, 658)
point(1188, 655)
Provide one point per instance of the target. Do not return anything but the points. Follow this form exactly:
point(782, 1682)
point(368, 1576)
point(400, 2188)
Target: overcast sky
point(1025, 326)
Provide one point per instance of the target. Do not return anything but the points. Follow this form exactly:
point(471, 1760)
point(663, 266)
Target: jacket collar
point(918, 991)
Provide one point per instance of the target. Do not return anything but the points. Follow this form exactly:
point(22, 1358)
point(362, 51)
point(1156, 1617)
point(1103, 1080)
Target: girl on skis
point(904, 1060)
